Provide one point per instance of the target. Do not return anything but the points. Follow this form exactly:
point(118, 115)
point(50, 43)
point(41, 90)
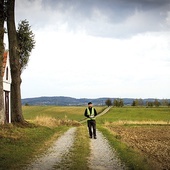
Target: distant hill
point(69, 101)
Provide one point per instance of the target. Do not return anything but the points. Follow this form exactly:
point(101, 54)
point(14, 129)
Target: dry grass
point(128, 122)
point(53, 122)
point(10, 131)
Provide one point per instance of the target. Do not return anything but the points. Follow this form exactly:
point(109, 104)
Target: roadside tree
point(19, 49)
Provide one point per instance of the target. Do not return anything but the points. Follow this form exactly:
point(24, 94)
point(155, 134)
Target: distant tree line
point(116, 102)
point(155, 103)
point(138, 102)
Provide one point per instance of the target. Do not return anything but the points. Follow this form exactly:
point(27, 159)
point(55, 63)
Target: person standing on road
point(91, 113)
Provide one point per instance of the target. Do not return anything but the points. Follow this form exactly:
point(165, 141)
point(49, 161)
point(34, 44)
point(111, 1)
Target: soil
point(152, 141)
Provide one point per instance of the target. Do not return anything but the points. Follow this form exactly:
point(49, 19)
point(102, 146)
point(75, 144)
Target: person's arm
point(85, 114)
point(95, 112)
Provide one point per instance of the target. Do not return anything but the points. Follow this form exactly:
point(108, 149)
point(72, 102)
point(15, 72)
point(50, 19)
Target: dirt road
point(102, 156)
point(56, 153)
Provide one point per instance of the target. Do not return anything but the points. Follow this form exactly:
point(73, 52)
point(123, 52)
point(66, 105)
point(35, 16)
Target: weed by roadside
point(53, 122)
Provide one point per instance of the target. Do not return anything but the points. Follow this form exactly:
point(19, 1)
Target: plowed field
point(152, 141)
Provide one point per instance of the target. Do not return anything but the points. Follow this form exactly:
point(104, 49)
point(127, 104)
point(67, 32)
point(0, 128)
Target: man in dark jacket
point(91, 113)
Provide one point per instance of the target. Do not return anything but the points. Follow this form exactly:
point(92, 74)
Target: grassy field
point(120, 126)
point(136, 114)
point(58, 112)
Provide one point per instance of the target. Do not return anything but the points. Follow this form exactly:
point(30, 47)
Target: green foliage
point(108, 102)
point(157, 103)
point(165, 102)
point(26, 42)
point(26, 104)
point(118, 103)
point(137, 102)
point(149, 104)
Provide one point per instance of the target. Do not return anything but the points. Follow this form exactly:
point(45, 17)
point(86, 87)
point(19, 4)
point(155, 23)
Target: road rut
point(55, 154)
point(103, 157)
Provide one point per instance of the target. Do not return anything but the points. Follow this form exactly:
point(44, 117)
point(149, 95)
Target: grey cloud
point(107, 18)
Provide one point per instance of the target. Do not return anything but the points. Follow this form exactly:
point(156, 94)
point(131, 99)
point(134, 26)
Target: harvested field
point(152, 141)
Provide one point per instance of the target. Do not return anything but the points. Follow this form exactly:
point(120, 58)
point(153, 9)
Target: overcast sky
point(97, 48)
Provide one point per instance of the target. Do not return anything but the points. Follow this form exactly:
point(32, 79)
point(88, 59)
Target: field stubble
point(153, 141)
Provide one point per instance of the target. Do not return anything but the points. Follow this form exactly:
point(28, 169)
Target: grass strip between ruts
point(81, 149)
point(132, 159)
point(77, 157)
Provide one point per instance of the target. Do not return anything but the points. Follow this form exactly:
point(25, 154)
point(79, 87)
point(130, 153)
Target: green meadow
point(58, 112)
point(136, 114)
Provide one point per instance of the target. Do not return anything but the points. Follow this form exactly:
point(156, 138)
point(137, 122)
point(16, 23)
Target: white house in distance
point(6, 73)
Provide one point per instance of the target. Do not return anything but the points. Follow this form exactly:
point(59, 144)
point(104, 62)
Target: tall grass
point(53, 122)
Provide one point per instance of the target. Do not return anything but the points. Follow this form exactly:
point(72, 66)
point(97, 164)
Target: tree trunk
point(16, 106)
point(2, 113)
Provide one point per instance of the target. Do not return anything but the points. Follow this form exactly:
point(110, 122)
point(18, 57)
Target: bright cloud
point(71, 63)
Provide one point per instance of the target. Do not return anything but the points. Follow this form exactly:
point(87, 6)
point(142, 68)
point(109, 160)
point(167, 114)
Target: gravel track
point(54, 155)
point(103, 157)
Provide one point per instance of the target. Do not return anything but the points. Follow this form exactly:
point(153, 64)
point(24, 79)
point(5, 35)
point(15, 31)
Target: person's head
point(90, 104)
